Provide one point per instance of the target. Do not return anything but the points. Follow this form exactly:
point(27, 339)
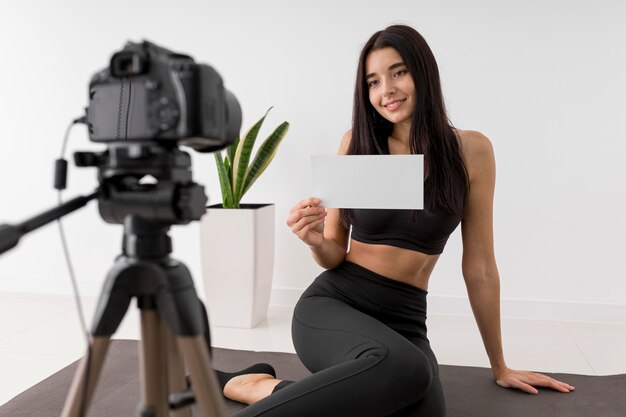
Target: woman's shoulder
point(472, 138)
point(474, 144)
point(477, 152)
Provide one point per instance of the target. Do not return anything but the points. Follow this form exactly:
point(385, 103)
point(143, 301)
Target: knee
point(410, 372)
point(410, 365)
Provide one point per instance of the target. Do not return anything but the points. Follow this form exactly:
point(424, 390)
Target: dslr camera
point(149, 93)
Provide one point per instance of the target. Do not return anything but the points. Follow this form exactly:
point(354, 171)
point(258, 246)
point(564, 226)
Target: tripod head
point(142, 180)
point(147, 187)
point(146, 180)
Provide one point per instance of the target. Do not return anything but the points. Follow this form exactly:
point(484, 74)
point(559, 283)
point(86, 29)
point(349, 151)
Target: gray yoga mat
point(469, 391)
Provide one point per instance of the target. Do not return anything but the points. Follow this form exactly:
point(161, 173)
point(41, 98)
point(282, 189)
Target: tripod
point(172, 328)
point(172, 317)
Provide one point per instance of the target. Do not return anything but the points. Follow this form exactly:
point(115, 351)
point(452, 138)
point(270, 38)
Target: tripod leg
point(86, 377)
point(196, 356)
point(175, 371)
point(152, 366)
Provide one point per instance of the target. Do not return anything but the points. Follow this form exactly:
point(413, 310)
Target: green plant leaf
point(227, 167)
point(227, 193)
point(242, 157)
point(264, 156)
point(230, 157)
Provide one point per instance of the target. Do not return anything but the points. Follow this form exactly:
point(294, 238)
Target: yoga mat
point(469, 391)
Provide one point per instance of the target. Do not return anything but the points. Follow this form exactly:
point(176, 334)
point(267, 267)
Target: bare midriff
point(404, 265)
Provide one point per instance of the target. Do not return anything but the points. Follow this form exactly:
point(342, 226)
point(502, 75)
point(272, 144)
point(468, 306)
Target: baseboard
point(439, 304)
point(510, 307)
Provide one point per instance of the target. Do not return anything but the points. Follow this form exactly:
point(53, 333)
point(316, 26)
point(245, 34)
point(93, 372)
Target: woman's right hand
point(306, 220)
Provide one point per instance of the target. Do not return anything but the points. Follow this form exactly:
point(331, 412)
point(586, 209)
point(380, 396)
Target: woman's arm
point(479, 265)
point(332, 251)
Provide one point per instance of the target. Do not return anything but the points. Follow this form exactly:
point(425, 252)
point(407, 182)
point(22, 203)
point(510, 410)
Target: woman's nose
point(389, 90)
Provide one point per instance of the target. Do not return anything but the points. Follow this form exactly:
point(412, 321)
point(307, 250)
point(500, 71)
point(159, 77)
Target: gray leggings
point(363, 336)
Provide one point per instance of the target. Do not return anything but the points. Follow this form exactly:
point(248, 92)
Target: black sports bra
point(428, 233)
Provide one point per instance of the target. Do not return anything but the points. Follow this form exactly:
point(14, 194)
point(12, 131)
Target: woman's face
point(390, 85)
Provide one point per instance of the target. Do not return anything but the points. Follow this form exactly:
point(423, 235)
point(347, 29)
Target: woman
point(360, 327)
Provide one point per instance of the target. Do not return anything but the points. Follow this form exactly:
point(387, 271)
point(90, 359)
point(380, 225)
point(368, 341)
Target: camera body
point(149, 93)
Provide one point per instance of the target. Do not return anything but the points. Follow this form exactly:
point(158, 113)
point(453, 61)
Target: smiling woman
point(361, 326)
point(391, 87)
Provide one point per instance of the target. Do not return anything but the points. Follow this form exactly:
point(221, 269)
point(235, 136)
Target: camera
point(149, 93)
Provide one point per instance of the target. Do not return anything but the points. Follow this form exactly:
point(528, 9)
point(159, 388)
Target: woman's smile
point(394, 105)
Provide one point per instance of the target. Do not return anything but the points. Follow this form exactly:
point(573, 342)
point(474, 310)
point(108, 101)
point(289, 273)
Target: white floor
point(41, 334)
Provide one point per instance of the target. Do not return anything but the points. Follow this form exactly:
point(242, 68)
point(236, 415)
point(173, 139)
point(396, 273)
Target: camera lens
point(232, 116)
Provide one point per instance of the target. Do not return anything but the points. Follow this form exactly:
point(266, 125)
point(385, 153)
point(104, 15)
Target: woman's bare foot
point(250, 388)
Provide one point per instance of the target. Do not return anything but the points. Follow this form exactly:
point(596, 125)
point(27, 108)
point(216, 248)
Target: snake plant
point(236, 173)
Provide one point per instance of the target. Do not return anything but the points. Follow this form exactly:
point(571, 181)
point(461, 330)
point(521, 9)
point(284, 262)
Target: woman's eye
point(399, 73)
point(372, 83)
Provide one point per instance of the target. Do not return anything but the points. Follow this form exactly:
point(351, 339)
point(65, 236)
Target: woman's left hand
point(527, 381)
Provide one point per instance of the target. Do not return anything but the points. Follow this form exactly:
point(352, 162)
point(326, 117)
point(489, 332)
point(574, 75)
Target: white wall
point(544, 80)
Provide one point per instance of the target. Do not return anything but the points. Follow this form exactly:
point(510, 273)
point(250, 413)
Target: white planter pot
point(237, 263)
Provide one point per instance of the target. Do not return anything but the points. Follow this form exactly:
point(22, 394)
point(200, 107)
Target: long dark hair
point(431, 132)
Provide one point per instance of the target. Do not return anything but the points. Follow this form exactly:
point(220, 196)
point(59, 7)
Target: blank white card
point(369, 181)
